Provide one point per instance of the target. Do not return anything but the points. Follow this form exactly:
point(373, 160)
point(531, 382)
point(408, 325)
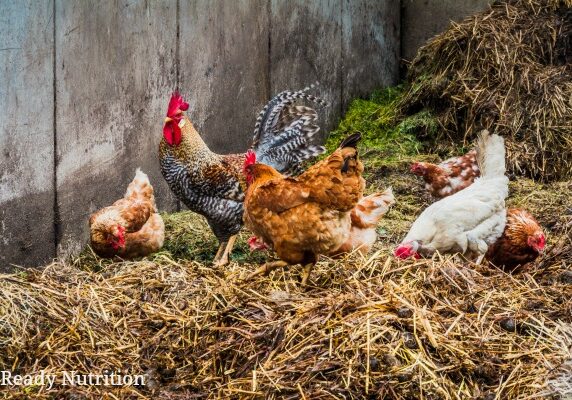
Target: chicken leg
point(221, 257)
point(266, 268)
point(218, 255)
point(306, 273)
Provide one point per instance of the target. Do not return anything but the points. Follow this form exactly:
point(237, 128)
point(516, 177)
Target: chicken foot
point(266, 268)
point(219, 252)
point(221, 257)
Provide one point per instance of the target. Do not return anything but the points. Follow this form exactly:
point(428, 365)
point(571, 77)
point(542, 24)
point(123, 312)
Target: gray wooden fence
point(84, 87)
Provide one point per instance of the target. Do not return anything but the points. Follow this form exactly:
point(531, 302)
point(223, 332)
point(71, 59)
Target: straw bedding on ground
point(368, 327)
point(371, 327)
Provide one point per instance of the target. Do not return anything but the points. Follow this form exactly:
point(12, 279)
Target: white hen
point(470, 220)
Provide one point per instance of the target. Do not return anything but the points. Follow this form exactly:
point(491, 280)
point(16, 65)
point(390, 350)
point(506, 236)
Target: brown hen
point(305, 216)
point(521, 242)
point(131, 227)
point(365, 216)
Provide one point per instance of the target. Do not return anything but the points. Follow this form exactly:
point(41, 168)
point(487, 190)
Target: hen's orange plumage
point(450, 176)
point(309, 215)
point(521, 242)
point(131, 226)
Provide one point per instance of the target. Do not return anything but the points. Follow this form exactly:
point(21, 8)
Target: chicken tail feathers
point(491, 155)
point(351, 141)
point(283, 131)
point(140, 188)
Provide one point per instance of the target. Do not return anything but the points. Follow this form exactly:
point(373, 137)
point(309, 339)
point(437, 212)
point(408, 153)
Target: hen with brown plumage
point(365, 216)
point(131, 227)
point(305, 216)
point(522, 241)
point(364, 219)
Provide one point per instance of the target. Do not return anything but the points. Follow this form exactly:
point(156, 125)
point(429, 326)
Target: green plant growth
point(383, 130)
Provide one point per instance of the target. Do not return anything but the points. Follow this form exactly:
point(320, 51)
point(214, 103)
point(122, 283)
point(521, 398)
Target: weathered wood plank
point(305, 47)
point(223, 61)
point(370, 48)
point(26, 133)
point(115, 69)
point(424, 19)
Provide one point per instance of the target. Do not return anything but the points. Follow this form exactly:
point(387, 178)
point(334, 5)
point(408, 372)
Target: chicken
point(450, 176)
point(521, 242)
point(365, 216)
point(305, 216)
point(131, 227)
point(469, 221)
point(364, 219)
point(211, 184)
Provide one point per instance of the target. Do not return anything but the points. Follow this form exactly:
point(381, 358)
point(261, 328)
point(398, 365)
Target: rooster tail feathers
point(351, 141)
point(491, 155)
point(268, 117)
point(283, 131)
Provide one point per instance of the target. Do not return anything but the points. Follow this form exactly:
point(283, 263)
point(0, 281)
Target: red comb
point(176, 104)
point(250, 158)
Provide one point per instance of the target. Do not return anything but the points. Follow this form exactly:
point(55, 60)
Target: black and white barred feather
point(283, 131)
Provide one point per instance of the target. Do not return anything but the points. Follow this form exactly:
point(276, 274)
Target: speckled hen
point(450, 176)
point(212, 184)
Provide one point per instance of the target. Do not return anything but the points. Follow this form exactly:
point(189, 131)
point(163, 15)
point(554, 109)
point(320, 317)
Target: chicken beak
point(168, 119)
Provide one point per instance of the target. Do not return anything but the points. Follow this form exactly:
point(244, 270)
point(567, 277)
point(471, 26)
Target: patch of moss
point(383, 130)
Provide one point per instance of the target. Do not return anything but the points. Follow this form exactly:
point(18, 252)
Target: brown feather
point(309, 215)
point(512, 249)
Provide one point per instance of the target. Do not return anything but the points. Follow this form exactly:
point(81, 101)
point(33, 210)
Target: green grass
point(384, 132)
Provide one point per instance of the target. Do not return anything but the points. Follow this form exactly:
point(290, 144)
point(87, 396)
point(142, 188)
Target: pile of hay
point(365, 328)
point(508, 69)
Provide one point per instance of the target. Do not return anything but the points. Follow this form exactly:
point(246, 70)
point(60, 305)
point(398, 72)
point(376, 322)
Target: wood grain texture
point(115, 69)
point(370, 47)
point(223, 56)
point(305, 47)
point(26, 133)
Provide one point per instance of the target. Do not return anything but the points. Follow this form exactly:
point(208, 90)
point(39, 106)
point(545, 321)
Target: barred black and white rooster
point(211, 184)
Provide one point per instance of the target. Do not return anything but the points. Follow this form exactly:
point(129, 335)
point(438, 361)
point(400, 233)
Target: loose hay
point(374, 327)
point(508, 69)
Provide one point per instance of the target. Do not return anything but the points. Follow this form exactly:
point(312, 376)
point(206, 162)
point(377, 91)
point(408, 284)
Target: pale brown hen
point(305, 216)
point(365, 216)
point(131, 227)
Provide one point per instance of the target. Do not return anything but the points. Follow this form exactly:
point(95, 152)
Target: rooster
point(364, 219)
point(521, 242)
point(470, 220)
point(131, 227)
point(450, 176)
point(211, 184)
point(305, 216)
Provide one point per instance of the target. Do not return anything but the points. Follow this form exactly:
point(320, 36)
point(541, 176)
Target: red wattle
point(172, 133)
